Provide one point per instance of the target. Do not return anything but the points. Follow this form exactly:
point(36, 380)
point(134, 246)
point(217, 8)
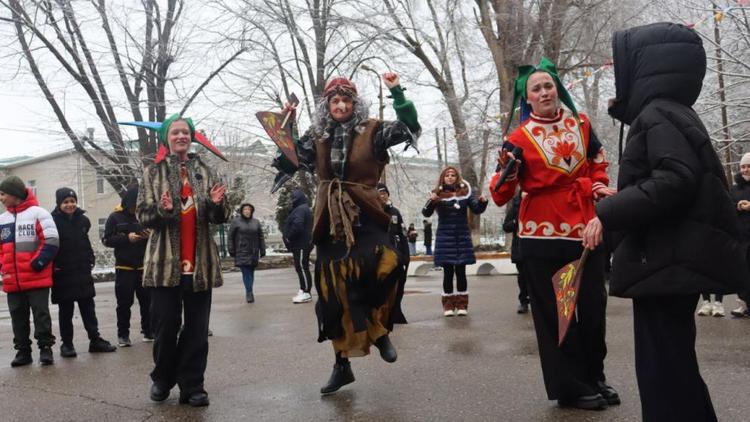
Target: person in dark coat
point(427, 228)
point(510, 225)
point(128, 237)
point(298, 240)
point(452, 198)
point(247, 246)
point(71, 276)
point(741, 197)
point(411, 235)
point(396, 226)
point(675, 228)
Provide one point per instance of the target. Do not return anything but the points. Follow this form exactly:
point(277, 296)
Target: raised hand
point(391, 79)
point(217, 193)
point(166, 201)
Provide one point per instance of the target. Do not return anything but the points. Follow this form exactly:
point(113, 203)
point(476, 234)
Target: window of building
point(99, 184)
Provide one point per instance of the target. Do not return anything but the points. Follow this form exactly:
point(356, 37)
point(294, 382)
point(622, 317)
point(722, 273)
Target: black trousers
point(88, 314)
point(523, 289)
point(573, 369)
point(461, 283)
point(302, 266)
point(180, 356)
point(666, 366)
point(127, 285)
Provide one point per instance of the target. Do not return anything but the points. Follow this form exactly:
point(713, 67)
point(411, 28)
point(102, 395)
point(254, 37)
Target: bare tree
point(59, 34)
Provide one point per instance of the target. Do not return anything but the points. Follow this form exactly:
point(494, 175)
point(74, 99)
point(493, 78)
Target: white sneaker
point(302, 297)
point(741, 311)
point(449, 313)
point(718, 310)
point(462, 312)
point(705, 309)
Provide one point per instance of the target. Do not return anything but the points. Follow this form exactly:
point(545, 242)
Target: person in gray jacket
point(247, 246)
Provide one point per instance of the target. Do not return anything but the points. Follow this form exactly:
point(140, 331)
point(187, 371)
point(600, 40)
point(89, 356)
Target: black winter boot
point(23, 357)
point(341, 375)
point(99, 345)
point(67, 350)
point(387, 351)
point(45, 356)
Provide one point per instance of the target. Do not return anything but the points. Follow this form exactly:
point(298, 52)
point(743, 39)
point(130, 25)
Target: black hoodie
point(298, 225)
point(676, 229)
point(128, 255)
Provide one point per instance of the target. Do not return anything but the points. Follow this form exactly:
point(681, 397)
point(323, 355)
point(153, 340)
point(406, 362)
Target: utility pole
point(381, 106)
point(439, 151)
point(445, 147)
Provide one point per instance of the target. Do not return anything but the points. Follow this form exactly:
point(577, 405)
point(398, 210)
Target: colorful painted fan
point(279, 128)
point(566, 282)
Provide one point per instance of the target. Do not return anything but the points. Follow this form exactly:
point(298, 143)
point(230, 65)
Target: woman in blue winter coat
point(453, 248)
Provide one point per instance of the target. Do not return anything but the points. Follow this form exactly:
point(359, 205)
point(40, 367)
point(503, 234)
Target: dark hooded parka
point(246, 242)
point(674, 226)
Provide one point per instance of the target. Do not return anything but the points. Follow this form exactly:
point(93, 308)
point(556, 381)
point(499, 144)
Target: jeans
point(428, 248)
point(248, 277)
point(412, 248)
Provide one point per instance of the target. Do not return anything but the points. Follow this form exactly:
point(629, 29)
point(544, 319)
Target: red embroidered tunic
point(187, 225)
point(562, 163)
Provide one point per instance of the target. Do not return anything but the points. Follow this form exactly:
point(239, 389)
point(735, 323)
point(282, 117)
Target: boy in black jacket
point(123, 233)
point(298, 239)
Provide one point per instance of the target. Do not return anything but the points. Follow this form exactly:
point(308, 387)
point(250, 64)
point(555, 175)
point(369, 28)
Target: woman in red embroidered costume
point(562, 169)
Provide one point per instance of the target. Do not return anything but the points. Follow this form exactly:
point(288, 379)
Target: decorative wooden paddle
point(567, 281)
point(279, 128)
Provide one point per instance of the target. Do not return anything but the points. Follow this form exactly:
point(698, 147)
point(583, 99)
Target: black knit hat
point(63, 193)
point(382, 188)
point(13, 185)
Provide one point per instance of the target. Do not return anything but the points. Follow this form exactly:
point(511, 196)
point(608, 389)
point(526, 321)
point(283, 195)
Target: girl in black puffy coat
point(452, 198)
point(72, 280)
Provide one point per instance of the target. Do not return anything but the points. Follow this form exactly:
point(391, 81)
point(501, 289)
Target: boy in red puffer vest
point(28, 244)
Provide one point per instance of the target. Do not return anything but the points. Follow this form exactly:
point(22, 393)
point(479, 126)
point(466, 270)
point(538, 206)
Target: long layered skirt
point(359, 290)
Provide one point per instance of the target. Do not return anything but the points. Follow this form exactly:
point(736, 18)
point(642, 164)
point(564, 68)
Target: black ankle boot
point(341, 375)
point(387, 351)
point(23, 357)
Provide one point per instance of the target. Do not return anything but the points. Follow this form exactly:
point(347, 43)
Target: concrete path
point(264, 364)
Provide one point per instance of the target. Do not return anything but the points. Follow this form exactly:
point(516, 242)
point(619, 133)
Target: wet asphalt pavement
point(265, 364)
